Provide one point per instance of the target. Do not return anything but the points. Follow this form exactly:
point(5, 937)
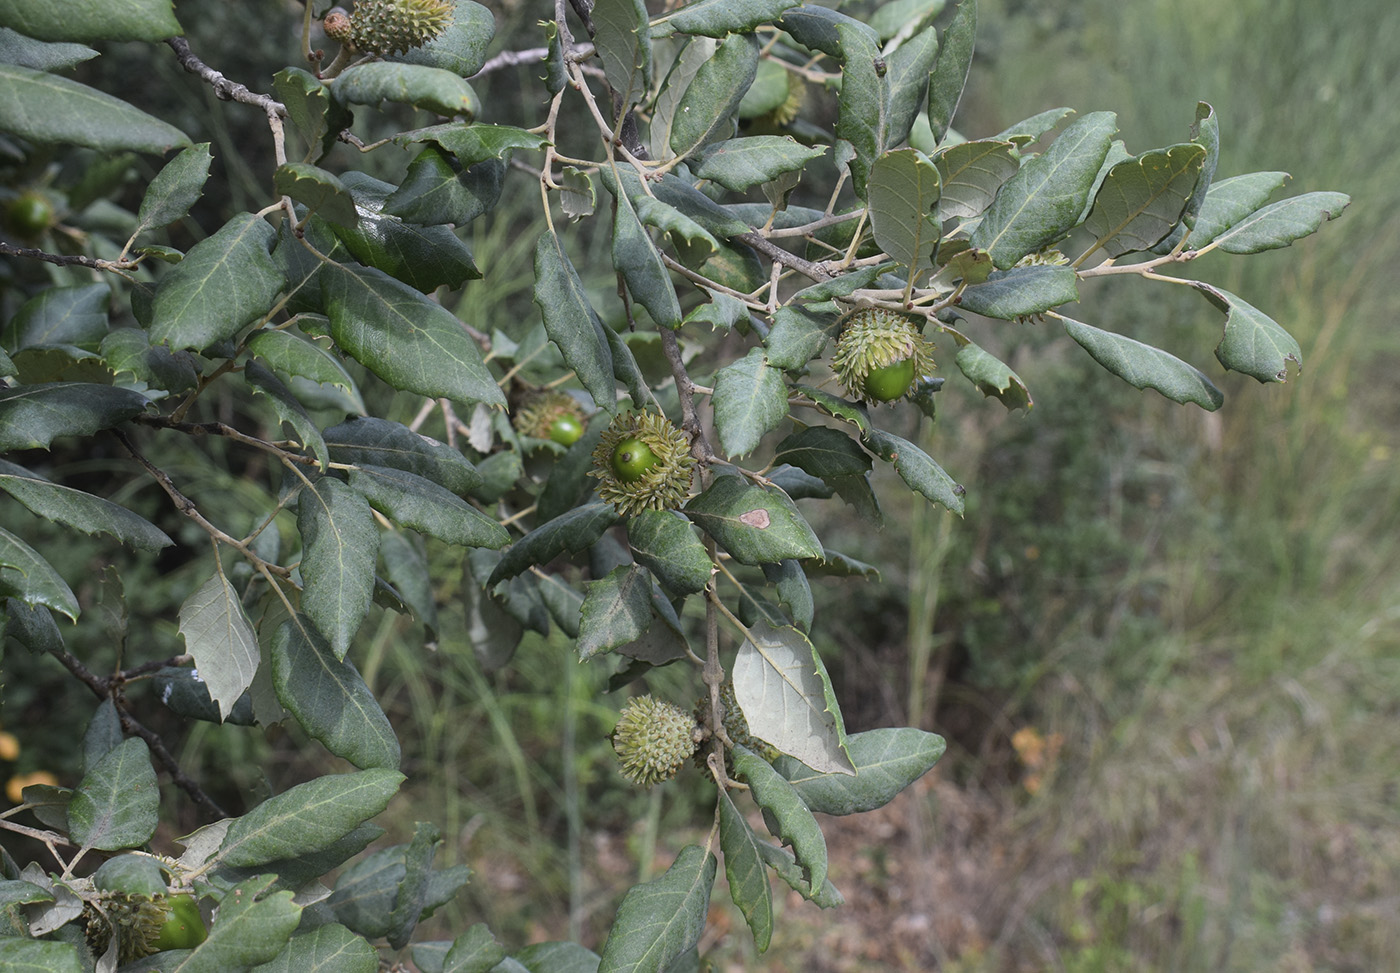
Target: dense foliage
point(798, 237)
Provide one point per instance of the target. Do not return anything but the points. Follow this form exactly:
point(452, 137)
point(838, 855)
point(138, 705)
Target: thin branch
point(685, 389)
point(777, 254)
point(187, 507)
point(509, 59)
point(182, 780)
point(224, 89)
point(65, 260)
point(109, 688)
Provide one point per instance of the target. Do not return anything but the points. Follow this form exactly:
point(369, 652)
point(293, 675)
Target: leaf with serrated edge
point(1142, 366)
point(661, 919)
point(972, 172)
point(886, 761)
point(750, 400)
point(326, 949)
point(24, 574)
point(1143, 197)
point(254, 926)
point(1279, 224)
point(787, 816)
point(330, 699)
point(175, 188)
point(286, 353)
point(308, 817)
point(340, 543)
point(32, 416)
point(378, 442)
point(571, 322)
point(474, 951)
point(916, 468)
point(80, 510)
point(785, 866)
point(715, 18)
point(417, 502)
point(665, 543)
point(744, 868)
point(624, 46)
point(574, 531)
point(753, 524)
point(225, 282)
point(1045, 198)
point(1014, 293)
point(411, 342)
point(785, 693)
point(740, 163)
point(616, 610)
point(288, 408)
point(221, 639)
point(949, 76)
point(706, 110)
point(46, 108)
point(1253, 343)
point(993, 377)
point(1231, 200)
point(904, 189)
point(116, 803)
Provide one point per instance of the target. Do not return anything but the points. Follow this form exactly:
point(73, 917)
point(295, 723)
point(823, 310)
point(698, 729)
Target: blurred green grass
point(1215, 637)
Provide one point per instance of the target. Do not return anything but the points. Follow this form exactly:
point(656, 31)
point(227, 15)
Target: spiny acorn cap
point(663, 487)
point(540, 410)
point(652, 739)
point(735, 724)
point(872, 338)
point(137, 920)
point(394, 26)
point(792, 104)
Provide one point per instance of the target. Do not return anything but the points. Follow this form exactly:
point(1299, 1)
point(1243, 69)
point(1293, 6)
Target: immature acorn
point(652, 739)
point(551, 415)
point(644, 463)
point(388, 26)
point(880, 353)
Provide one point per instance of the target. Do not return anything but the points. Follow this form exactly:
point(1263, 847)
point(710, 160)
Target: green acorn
point(137, 921)
point(735, 724)
point(551, 415)
point(644, 463)
point(389, 26)
point(880, 354)
point(652, 739)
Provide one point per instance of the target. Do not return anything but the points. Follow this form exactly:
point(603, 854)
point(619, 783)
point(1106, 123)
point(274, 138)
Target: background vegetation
point(1163, 652)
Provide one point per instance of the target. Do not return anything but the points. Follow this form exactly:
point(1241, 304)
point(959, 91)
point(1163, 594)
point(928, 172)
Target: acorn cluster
point(880, 354)
point(652, 739)
point(551, 415)
point(388, 26)
point(644, 463)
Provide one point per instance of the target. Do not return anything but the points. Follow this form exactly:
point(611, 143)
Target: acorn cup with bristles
point(388, 26)
point(556, 416)
point(653, 739)
point(644, 463)
point(880, 354)
point(135, 919)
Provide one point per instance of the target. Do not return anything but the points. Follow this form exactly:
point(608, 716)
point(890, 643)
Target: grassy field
point(1222, 691)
